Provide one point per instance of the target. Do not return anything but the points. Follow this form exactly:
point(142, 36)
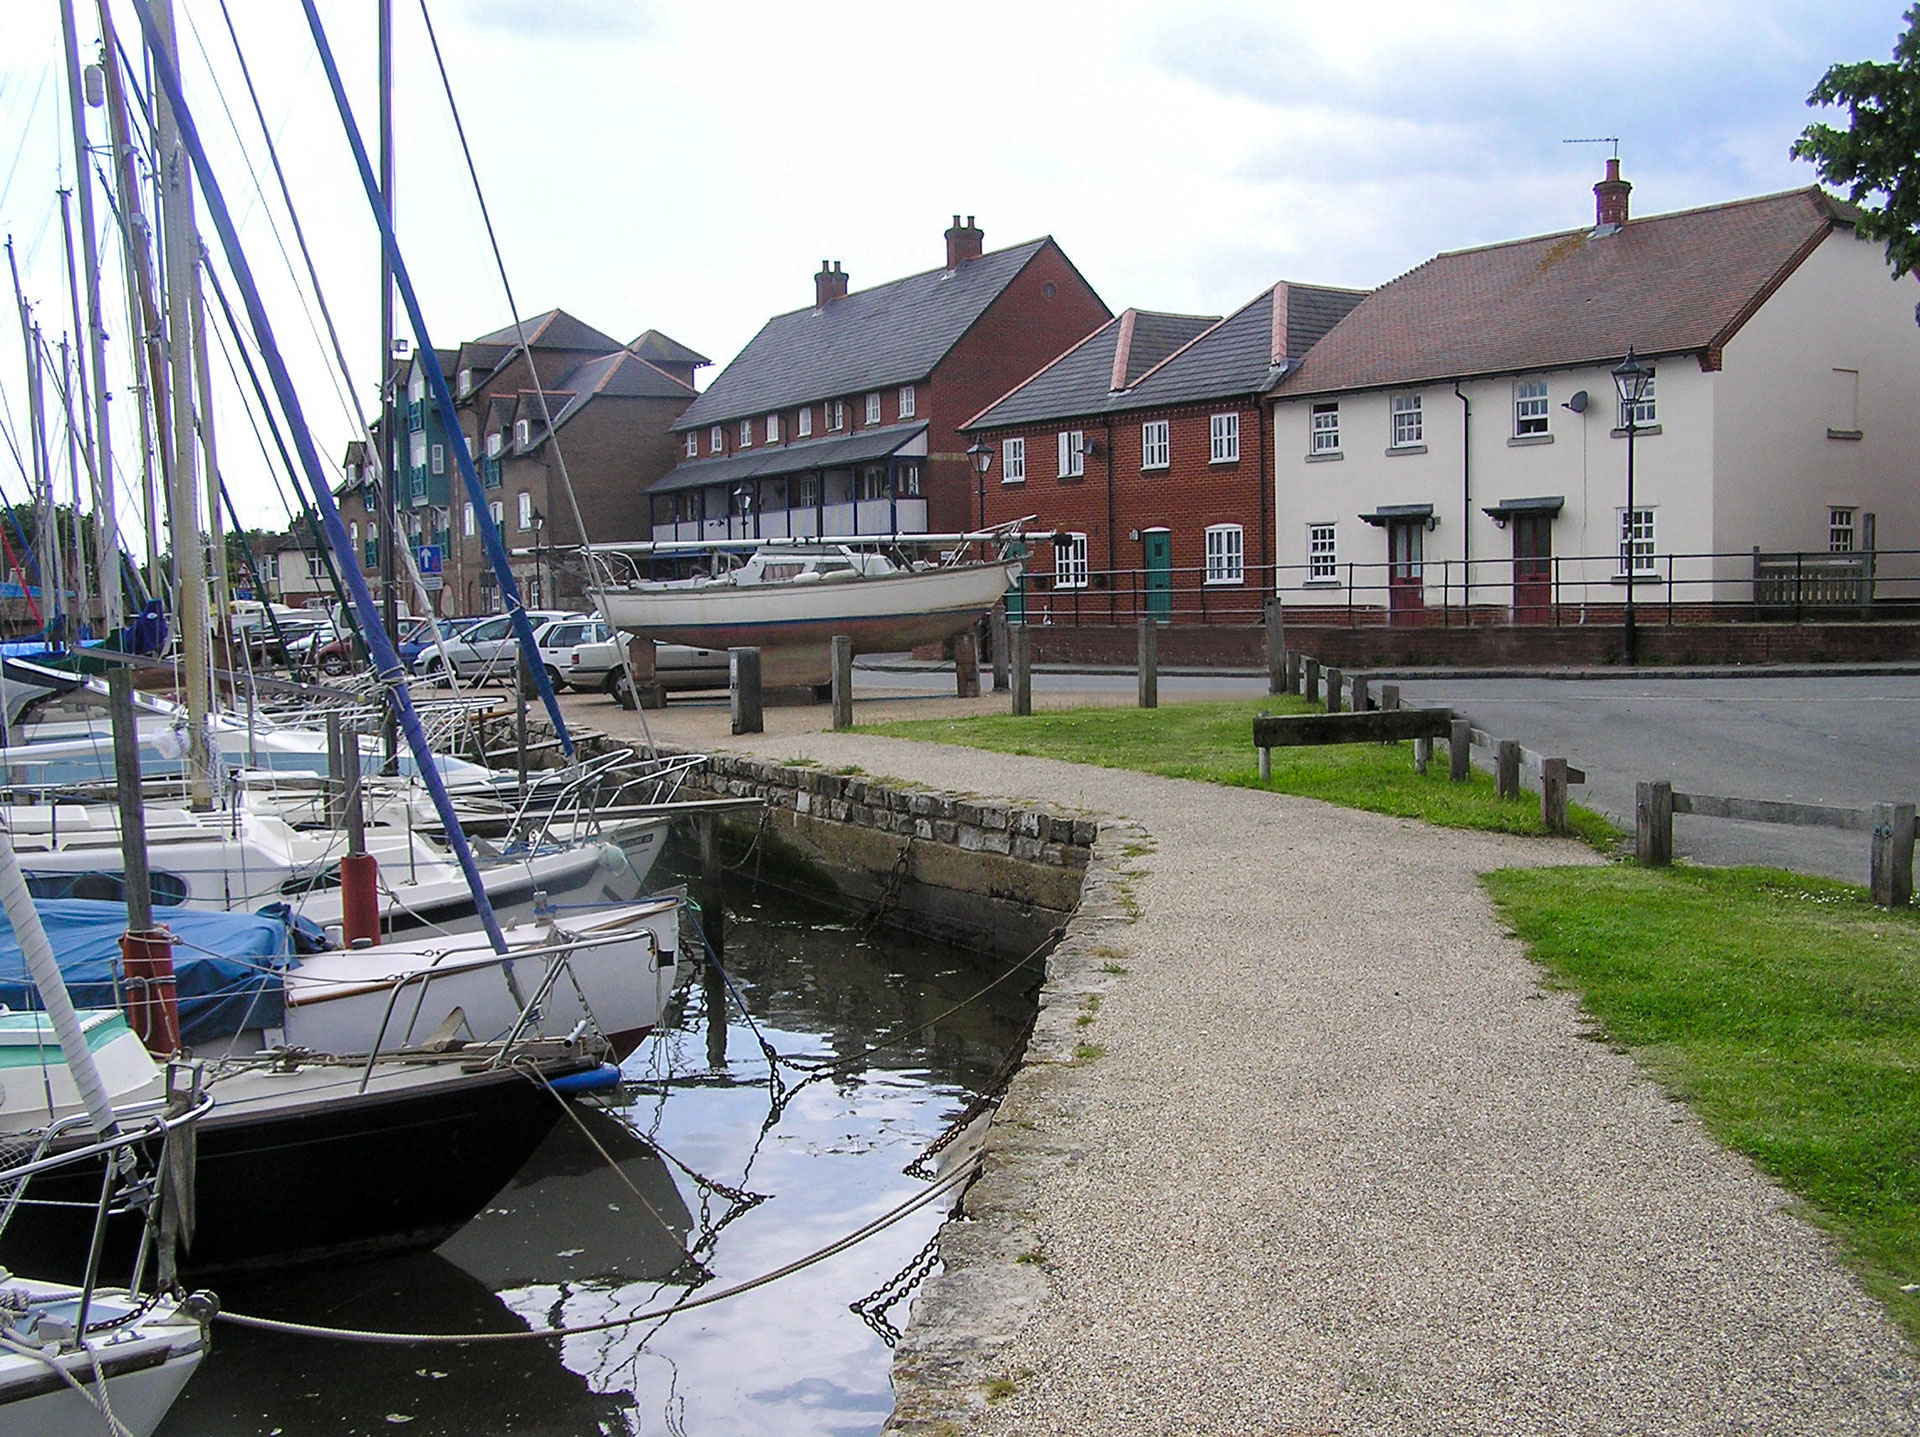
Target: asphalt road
point(1843, 740)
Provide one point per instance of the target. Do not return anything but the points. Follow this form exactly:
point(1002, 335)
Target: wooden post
point(1891, 868)
point(1506, 773)
point(1276, 647)
point(1334, 681)
point(1266, 755)
point(1310, 681)
point(1021, 643)
point(1389, 697)
point(1553, 794)
point(710, 896)
point(353, 810)
point(966, 664)
point(1422, 755)
point(841, 649)
point(1362, 699)
point(644, 674)
point(1149, 664)
point(1653, 823)
point(743, 672)
point(1294, 672)
point(1460, 751)
point(1000, 666)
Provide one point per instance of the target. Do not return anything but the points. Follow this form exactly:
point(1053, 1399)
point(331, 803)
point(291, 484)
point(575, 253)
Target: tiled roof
point(1195, 359)
point(790, 458)
point(1666, 284)
point(556, 329)
point(873, 338)
point(621, 375)
point(662, 349)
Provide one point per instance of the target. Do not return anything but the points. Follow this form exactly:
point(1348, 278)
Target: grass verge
point(1785, 1010)
point(1213, 742)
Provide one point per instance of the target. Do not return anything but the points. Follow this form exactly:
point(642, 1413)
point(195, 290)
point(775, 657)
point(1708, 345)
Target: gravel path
point(1340, 1165)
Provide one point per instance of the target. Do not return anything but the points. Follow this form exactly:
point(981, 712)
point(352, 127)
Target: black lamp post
point(539, 522)
point(1632, 379)
point(980, 454)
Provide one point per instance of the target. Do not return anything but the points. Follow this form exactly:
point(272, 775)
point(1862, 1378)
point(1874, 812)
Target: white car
point(586, 654)
point(487, 651)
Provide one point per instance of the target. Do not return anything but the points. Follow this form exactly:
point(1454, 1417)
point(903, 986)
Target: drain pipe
point(1466, 500)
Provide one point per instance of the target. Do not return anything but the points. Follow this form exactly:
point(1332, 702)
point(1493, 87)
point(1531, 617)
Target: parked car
point(589, 655)
point(485, 651)
point(418, 641)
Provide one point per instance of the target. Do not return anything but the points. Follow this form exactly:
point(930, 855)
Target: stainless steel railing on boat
point(595, 791)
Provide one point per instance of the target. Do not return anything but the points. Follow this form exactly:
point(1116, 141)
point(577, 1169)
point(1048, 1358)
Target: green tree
point(1876, 159)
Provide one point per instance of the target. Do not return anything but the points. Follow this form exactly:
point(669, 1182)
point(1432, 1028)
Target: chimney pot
point(963, 242)
point(1610, 197)
point(829, 284)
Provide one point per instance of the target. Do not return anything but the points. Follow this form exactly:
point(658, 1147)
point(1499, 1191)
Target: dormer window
point(746, 433)
point(523, 432)
point(873, 408)
point(494, 444)
point(906, 401)
point(417, 389)
point(836, 414)
point(466, 382)
point(693, 445)
point(805, 427)
point(773, 429)
point(716, 439)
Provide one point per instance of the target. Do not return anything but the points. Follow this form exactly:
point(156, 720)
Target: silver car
point(488, 651)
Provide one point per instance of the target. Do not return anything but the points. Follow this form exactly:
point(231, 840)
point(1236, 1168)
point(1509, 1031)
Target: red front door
point(1406, 580)
point(1532, 568)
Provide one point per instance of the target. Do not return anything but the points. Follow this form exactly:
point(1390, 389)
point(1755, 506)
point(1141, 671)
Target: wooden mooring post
point(1506, 768)
point(1890, 869)
point(1460, 751)
point(1653, 823)
point(1294, 668)
point(840, 650)
point(1422, 755)
point(1276, 646)
point(1389, 697)
point(1266, 752)
point(743, 673)
point(1020, 641)
point(966, 664)
point(1335, 680)
point(1553, 794)
point(1310, 681)
point(1149, 664)
point(1000, 666)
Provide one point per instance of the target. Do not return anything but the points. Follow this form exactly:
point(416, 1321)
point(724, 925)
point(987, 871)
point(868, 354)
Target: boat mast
point(99, 443)
point(180, 249)
point(389, 440)
point(82, 607)
point(33, 421)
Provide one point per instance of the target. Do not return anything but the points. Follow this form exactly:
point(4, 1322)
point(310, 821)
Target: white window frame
point(873, 407)
point(1409, 425)
point(746, 434)
point(1323, 553)
point(1071, 462)
point(1646, 412)
point(466, 382)
point(523, 432)
point(417, 450)
point(1226, 554)
point(1156, 444)
point(1639, 538)
point(716, 439)
point(497, 511)
point(438, 464)
point(526, 509)
point(1013, 460)
point(1224, 430)
point(836, 415)
point(803, 427)
point(1532, 408)
point(906, 401)
point(773, 429)
point(417, 385)
point(1323, 420)
point(1070, 562)
point(693, 444)
point(1842, 520)
point(466, 519)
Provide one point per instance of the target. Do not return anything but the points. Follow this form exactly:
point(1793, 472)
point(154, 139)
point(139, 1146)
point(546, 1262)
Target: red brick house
point(844, 417)
point(1149, 445)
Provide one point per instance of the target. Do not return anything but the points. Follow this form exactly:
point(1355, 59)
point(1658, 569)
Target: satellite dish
point(1578, 403)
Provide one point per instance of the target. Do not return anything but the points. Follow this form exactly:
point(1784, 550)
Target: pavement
point(1326, 1157)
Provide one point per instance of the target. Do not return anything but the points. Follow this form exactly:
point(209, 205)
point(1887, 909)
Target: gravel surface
point(1339, 1163)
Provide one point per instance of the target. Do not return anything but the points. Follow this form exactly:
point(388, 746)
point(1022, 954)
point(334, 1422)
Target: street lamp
point(1632, 379)
point(980, 454)
point(539, 522)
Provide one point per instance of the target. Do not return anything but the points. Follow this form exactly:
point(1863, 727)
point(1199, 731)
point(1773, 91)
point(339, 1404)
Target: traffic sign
point(427, 556)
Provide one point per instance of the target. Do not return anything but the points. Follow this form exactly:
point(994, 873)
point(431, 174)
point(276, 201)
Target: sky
point(687, 166)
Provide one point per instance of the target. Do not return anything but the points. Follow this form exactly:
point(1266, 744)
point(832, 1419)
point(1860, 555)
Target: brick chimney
point(1610, 197)
point(963, 242)
point(830, 284)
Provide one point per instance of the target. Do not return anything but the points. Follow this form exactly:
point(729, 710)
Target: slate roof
point(891, 334)
point(658, 348)
point(790, 458)
point(1194, 359)
point(556, 329)
point(620, 375)
point(1667, 284)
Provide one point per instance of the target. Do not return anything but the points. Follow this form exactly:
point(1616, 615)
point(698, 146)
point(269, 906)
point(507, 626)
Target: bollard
point(1653, 823)
point(1553, 794)
point(1506, 773)
point(1422, 755)
point(1891, 867)
point(841, 650)
point(153, 1000)
point(743, 673)
point(1310, 681)
point(1266, 755)
point(1000, 665)
point(359, 899)
point(1362, 697)
point(1389, 697)
point(643, 675)
point(1149, 664)
point(966, 664)
point(1276, 647)
point(1334, 681)
point(1021, 644)
point(1293, 672)
point(1460, 751)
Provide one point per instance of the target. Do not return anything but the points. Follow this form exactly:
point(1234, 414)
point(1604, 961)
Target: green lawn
point(1213, 742)
point(1785, 1010)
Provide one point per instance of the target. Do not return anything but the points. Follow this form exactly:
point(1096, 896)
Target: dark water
point(577, 1239)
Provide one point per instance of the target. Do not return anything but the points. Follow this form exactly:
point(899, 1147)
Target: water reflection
point(754, 1175)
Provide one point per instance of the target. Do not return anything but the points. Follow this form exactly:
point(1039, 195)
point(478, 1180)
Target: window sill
point(1320, 583)
point(1239, 583)
point(1523, 441)
point(1640, 580)
point(1846, 434)
point(1234, 460)
point(1155, 468)
point(1642, 430)
point(1394, 451)
point(1325, 458)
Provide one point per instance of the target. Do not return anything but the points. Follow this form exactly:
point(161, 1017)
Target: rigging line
point(519, 329)
point(956, 1177)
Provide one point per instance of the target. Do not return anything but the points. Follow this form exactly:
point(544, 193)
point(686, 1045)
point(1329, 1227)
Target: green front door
point(1157, 547)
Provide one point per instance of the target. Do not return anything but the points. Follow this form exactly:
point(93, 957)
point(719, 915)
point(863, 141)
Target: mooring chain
point(872, 1309)
point(986, 1100)
point(890, 891)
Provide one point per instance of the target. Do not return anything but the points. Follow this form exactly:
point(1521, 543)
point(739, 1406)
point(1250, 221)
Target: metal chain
point(872, 1309)
point(890, 891)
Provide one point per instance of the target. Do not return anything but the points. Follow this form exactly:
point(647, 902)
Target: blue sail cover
point(228, 967)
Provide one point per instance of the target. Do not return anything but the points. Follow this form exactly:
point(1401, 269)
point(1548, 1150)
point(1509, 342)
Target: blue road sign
point(428, 558)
